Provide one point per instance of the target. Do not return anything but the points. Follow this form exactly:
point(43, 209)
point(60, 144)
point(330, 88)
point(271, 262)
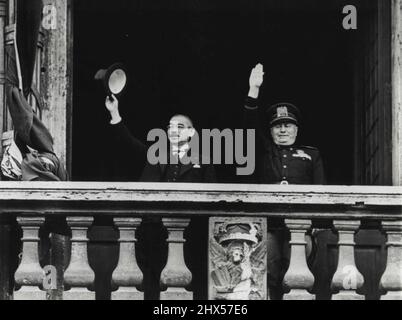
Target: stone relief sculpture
point(237, 256)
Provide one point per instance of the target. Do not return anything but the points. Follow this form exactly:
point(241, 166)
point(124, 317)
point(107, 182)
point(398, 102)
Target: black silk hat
point(283, 112)
point(114, 79)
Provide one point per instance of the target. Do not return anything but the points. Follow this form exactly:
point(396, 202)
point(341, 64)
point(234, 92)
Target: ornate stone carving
point(237, 259)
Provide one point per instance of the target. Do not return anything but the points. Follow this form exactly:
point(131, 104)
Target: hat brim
point(282, 120)
point(104, 75)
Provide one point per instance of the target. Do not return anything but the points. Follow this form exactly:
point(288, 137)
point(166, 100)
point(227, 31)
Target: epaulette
point(309, 147)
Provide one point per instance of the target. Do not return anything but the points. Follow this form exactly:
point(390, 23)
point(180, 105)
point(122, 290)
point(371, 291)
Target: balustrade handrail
point(343, 208)
point(302, 201)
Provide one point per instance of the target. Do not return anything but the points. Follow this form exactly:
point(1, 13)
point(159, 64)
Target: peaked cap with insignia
point(283, 112)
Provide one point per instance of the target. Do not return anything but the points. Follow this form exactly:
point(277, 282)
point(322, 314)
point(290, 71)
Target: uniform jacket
point(159, 172)
point(275, 164)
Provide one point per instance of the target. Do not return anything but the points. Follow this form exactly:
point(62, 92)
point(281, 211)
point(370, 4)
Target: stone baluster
point(391, 280)
point(176, 276)
point(79, 275)
point(298, 277)
point(30, 274)
point(347, 278)
point(127, 275)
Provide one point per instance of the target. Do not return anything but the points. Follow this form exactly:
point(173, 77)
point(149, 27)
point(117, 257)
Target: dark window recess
point(194, 57)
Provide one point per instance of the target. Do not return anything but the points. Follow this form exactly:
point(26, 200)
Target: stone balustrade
point(391, 280)
point(298, 277)
point(345, 210)
point(347, 278)
point(79, 276)
point(30, 274)
point(127, 275)
point(176, 276)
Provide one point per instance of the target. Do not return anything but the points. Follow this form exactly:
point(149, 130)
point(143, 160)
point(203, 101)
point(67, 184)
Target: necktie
point(179, 151)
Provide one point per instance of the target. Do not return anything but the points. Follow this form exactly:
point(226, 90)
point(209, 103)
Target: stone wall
point(396, 64)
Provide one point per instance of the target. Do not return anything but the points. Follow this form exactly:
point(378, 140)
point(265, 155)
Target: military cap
point(283, 112)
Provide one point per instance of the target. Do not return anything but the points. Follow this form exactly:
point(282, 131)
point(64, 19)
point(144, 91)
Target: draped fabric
point(31, 136)
point(11, 162)
point(29, 16)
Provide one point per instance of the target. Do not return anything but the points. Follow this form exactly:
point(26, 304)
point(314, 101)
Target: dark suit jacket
point(156, 173)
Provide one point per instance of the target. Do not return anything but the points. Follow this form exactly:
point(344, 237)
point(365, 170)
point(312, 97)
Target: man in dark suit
point(280, 160)
point(179, 132)
point(152, 250)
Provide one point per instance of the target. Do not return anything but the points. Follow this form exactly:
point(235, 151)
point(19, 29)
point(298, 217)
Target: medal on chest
point(301, 154)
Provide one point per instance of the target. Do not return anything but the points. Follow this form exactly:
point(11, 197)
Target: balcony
point(344, 212)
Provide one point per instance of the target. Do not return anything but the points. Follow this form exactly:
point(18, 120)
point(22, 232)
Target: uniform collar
point(291, 147)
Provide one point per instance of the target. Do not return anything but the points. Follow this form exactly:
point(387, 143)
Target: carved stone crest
point(237, 259)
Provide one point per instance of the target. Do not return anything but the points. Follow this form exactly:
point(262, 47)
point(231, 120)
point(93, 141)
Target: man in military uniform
point(280, 161)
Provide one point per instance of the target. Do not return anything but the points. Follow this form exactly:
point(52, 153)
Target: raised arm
point(251, 111)
point(256, 80)
point(121, 133)
point(112, 105)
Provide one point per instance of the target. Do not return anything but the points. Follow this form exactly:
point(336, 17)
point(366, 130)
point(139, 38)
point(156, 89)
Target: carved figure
point(238, 259)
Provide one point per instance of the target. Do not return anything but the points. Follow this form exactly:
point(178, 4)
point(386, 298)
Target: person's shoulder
point(308, 147)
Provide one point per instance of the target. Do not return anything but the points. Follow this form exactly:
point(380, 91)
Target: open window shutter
point(373, 105)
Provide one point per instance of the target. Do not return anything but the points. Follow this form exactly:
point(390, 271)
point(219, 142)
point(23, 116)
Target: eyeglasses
point(178, 127)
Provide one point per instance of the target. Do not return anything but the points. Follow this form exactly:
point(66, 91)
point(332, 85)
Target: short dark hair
point(184, 116)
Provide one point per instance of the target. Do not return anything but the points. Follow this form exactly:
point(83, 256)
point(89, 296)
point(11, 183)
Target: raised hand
point(257, 76)
point(112, 105)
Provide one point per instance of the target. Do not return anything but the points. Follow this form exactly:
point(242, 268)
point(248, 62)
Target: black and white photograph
point(218, 151)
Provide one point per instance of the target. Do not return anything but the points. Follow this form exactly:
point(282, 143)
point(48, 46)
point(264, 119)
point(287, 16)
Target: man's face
point(284, 134)
point(237, 255)
point(180, 130)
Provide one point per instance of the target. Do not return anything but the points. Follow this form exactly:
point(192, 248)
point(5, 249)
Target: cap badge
point(282, 112)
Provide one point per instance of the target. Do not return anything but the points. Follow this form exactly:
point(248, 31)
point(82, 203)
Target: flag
point(30, 132)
